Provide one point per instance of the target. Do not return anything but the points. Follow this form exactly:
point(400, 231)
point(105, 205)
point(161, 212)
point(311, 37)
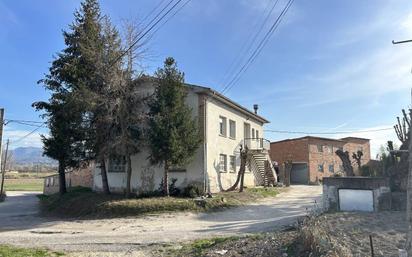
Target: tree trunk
point(62, 178)
point(409, 198)
point(129, 175)
point(103, 172)
point(166, 180)
point(347, 165)
point(240, 174)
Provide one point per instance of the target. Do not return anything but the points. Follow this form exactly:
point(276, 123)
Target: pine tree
point(73, 75)
point(173, 133)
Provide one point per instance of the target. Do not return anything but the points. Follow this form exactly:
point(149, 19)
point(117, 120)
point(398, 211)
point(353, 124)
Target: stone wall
point(382, 197)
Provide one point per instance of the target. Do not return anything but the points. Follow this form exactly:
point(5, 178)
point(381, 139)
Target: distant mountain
point(30, 155)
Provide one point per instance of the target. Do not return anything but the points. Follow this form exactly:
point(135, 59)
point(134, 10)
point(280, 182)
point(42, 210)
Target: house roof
point(341, 140)
point(218, 96)
point(356, 138)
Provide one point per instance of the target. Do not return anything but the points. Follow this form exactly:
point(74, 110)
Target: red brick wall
point(295, 150)
point(352, 145)
point(326, 157)
point(306, 150)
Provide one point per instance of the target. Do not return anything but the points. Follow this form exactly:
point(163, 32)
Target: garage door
point(299, 174)
point(355, 200)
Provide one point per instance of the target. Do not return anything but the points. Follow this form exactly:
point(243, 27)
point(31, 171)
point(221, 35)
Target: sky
point(329, 67)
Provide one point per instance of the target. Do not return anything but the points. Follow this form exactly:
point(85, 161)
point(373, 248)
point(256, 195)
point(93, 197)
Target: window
point(257, 134)
point(331, 168)
point(222, 126)
point(320, 167)
point(232, 129)
point(232, 163)
point(223, 163)
point(117, 164)
point(253, 133)
point(320, 148)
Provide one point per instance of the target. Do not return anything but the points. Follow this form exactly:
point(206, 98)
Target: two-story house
point(314, 157)
point(225, 126)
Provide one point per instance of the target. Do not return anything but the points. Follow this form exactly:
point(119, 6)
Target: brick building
point(314, 157)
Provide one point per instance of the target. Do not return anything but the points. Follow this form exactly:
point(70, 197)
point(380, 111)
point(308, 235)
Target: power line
point(238, 60)
point(170, 17)
point(143, 34)
point(23, 121)
point(259, 48)
point(27, 135)
point(325, 133)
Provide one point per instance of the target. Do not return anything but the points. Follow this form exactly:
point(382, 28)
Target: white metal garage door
point(299, 174)
point(355, 200)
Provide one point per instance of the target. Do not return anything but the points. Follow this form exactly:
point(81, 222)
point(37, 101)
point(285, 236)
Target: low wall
point(80, 177)
point(382, 197)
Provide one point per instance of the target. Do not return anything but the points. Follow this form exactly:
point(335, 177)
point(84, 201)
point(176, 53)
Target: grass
point(11, 251)
point(26, 184)
point(82, 202)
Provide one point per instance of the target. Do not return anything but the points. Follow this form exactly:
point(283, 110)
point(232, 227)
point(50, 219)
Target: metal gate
point(299, 174)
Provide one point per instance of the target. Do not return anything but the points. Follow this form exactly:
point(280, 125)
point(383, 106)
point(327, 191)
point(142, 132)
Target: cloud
point(16, 135)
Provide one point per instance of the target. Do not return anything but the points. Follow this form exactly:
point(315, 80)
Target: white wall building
point(224, 126)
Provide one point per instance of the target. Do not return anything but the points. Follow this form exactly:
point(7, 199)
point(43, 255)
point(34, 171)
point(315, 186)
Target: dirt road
point(124, 236)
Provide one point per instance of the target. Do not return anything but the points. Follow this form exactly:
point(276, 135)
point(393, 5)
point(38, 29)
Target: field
point(24, 184)
point(24, 181)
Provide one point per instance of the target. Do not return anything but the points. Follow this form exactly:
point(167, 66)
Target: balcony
point(256, 144)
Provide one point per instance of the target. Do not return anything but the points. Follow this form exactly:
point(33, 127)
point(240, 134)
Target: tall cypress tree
point(173, 133)
point(74, 73)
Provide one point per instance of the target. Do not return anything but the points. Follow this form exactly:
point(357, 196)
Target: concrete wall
point(217, 144)
point(379, 187)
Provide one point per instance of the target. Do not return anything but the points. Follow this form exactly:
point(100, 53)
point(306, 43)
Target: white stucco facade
point(204, 169)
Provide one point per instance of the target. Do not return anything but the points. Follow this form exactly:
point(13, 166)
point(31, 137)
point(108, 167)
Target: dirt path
point(127, 235)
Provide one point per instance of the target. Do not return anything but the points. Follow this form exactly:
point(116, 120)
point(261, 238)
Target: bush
point(192, 190)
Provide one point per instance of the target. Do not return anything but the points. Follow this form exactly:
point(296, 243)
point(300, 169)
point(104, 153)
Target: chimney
point(255, 107)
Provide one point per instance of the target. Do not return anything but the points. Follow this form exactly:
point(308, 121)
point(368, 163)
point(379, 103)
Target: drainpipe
point(205, 177)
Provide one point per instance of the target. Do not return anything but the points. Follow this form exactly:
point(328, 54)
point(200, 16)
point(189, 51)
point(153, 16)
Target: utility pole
point(409, 186)
point(4, 168)
point(1, 131)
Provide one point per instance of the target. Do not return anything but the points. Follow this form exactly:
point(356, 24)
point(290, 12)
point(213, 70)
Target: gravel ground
point(132, 236)
point(352, 230)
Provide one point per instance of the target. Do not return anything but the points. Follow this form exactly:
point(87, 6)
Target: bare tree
point(358, 158)
point(241, 174)
point(346, 163)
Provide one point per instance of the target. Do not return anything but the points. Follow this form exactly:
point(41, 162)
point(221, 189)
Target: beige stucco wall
point(146, 177)
point(204, 168)
point(217, 144)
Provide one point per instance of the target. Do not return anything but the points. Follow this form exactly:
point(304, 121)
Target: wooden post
point(4, 168)
point(371, 243)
